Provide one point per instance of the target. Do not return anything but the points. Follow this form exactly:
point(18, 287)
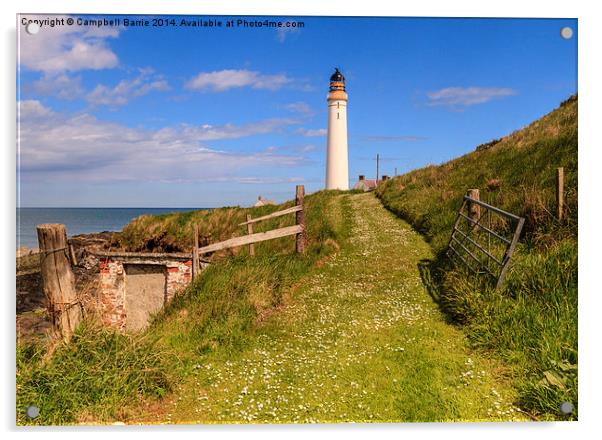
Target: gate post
point(195, 253)
point(474, 210)
point(250, 231)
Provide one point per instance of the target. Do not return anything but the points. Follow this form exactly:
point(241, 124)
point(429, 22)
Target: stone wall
point(113, 284)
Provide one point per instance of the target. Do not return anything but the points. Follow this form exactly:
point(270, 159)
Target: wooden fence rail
point(298, 230)
point(253, 238)
point(273, 215)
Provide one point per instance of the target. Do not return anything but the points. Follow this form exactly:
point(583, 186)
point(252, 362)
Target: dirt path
point(362, 341)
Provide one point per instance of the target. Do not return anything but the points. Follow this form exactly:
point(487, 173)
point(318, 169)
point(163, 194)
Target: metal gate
point(475, 243)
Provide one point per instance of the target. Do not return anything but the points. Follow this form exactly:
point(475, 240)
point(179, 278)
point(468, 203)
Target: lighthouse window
point(338, 115)
point(338, 105)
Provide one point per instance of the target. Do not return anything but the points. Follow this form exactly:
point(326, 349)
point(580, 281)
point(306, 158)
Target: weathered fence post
point(474, 210)
point(250, 231)
point(301, 241)
point(72, 256)
point(58, 280)
point(560, 193)
point(195, 253)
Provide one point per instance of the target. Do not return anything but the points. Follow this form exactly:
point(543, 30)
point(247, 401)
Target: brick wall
point(113, 286)
point(179, 274)
point(112, 294)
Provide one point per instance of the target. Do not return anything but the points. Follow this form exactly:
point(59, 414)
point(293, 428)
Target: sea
point(79, 220)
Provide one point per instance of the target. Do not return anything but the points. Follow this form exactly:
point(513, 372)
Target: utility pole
point(377, 160)
point(395, 171)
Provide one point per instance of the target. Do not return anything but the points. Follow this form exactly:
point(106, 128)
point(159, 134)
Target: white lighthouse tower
point(337, 165)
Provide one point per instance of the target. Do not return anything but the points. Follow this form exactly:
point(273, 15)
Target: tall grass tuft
point(91, 377)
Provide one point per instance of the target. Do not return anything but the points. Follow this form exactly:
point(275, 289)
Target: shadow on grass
point(428, 275)
point(431, 273)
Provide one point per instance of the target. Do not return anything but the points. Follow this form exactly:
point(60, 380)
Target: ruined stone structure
point(133, 287)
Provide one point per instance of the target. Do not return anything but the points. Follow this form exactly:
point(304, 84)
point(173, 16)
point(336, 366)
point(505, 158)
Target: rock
point(89, 262)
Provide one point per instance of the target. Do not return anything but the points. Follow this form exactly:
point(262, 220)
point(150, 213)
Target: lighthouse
point(337, 165)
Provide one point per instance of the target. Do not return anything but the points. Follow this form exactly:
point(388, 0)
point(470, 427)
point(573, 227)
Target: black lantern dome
point(337, 81)
point(337, 76)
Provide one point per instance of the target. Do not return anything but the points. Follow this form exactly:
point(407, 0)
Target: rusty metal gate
point(475, 243)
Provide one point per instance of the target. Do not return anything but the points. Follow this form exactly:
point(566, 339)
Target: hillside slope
point(532, 322)
point(516, 173)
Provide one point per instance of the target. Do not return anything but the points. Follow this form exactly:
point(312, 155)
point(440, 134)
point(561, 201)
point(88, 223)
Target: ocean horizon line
point(84, 219)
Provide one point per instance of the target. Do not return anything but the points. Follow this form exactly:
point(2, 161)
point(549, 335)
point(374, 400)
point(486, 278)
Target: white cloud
point(207, 132)
point(222, 80)
point(466, 96)
point(379, 138)
point(60, 85)
point(66, 48)
point(127, 89)
point(68, 87)
point(312, 132)
point(299, 107)
point(294, 148)
point(258, 180)
point(283, 32)
point(307, 148)
point(32, 110)
point(80, 147)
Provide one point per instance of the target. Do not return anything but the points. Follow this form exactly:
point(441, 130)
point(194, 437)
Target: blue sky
point(204, 117)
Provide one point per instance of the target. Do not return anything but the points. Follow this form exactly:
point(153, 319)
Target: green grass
point(532, 321)
point(100, 372)
point(92, 377)
point(347, 333)
point(359, 339)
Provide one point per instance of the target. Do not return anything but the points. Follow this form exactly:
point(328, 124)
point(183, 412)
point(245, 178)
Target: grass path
point(361, 341)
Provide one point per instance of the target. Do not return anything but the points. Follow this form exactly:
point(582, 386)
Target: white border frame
point(590, 293)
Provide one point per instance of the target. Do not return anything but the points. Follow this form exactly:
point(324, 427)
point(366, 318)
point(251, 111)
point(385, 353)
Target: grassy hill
point(532, 322)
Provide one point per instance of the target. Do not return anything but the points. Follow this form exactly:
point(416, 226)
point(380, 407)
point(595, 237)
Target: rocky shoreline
point(97, 240)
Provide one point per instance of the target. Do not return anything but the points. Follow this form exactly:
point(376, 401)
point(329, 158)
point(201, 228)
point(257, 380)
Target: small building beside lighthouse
point(337, 162)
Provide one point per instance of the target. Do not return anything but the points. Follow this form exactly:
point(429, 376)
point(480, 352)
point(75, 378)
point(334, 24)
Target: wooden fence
point(298, 230)
point(57, 257)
